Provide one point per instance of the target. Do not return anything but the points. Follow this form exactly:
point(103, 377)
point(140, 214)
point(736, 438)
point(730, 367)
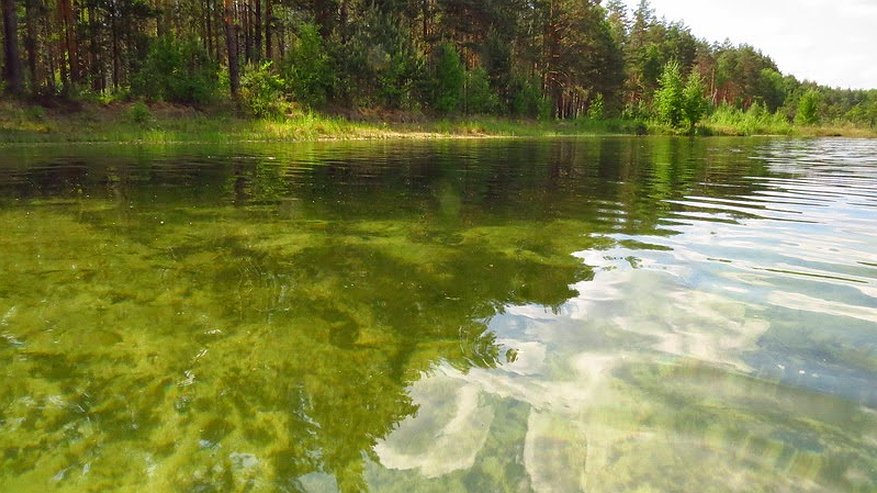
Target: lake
point(598, 314)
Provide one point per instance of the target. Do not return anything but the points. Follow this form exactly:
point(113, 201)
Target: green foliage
point(757, 111)
point(262, 91)
point(677, 105)
point(694, 102)
point(178, 71)
point(117, 96)
point(399, 81)
point(480, 98)
point(308, 68)
point(36, 113)
point(449, 78)
point(636, 110)
point(380, 65)
point(527, 100)
point(139, 113)
point(595, 109)
point(756, 120)
point(808, 107)
point(772, 88)
point(670, 96)
point(743, 74)
point(497, 60)
point(864, 113)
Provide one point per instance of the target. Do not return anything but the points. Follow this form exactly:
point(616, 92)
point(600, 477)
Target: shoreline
point(24, 124)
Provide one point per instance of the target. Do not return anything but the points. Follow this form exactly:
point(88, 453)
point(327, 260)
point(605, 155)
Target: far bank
point(163, 123)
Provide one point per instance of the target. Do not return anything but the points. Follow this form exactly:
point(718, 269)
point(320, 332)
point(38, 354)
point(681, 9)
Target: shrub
point(636, 110)
point(864, 113)
point(139, 113)
point(694, 102)
point(35, 113)
point(262, 91)
point(807, 108)
point(595, 107)
point(755, 120)
point(178, 72)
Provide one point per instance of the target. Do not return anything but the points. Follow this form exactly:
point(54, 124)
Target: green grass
point(164, 124)
point(757, 121)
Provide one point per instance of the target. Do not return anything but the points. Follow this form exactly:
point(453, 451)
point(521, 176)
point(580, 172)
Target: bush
point(139, 113)
point(694, 102)
point(262, 91)
point(308, 68)
point(595, 107)
point(864, 113)
point(480, 98)
point(635, 110)
point(807, 108)
point(178, 72)
point(36, 113)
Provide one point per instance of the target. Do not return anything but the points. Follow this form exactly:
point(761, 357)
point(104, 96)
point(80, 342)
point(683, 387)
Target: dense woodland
point(522, 58)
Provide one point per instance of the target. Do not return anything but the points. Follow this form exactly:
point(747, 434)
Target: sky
point(832, 42)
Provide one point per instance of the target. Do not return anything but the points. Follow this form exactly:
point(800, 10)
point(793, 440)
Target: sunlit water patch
point(619, 314)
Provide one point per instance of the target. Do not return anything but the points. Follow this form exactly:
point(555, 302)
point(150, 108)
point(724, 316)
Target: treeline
point(529, 58)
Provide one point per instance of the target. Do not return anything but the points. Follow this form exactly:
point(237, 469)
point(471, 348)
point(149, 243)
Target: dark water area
point(603, 314)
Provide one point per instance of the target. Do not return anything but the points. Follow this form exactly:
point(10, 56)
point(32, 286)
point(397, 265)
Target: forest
point(535, 59)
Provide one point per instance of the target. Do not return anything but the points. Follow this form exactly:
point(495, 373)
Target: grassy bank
point(163, 124)
point(23, 123)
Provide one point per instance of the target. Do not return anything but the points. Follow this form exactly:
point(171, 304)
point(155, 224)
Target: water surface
point(606, 314)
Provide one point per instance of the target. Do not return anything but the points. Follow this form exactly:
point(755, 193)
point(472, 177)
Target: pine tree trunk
point(50, 59)
point(269, 13)
point(30, 44)
point(65, 8)
point(114, 30)
point(234, 75)
point(12, 57)
point(245, 16)
point(257, 32)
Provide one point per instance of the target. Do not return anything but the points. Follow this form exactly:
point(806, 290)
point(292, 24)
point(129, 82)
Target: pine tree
point(449, 80)
point(12, 56)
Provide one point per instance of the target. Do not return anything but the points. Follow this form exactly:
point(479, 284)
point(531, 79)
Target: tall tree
point(234, 74)
point(269, 29)
point(70, 73)
point(12, 56)
point(30, 42)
